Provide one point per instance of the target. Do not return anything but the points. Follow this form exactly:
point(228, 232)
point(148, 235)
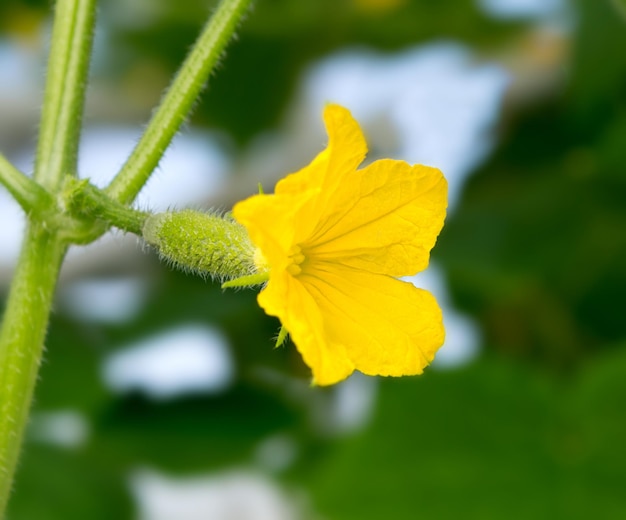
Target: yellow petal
point(290, 216)
point(384, 326)
point(384, 218)
point(345, 152)
point(270, 221)
point(286, 298)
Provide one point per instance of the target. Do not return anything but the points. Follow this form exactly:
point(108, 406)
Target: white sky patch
point(462, 334)
point(11, 230)
point(193, 168)
point(63, 428)
point(240, 495)
point(276, 453)
point(104, 300)
point(345, 409)
point(354, 403)
point(435, 102)
point(186, 360)
point(462, 340)
point(522, 9)
point(20, 79)
point(15, 64)
point(18, 82)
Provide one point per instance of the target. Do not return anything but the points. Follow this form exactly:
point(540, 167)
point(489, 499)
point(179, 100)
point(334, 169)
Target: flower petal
point(269, 220)
point(345, 152)
point(298, 196)
point(286, 298)
point(384, 326)
point(384, 218)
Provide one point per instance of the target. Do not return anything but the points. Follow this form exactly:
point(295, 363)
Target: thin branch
point(68, 68)
point(85, 199)
point(25, 191)
point(178, 101)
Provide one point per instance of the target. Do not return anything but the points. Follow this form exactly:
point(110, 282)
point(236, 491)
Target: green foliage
point(70, 485)
point(535, 250)
point(494, 440)
point(620, 6)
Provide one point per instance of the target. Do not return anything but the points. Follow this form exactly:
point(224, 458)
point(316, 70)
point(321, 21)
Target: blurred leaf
point(195, 433)
point(597, 88)
point(70, 372)
point(620, 7)
point(189, 435)
point(54, 484)
point(491, 441)
point(536, 250)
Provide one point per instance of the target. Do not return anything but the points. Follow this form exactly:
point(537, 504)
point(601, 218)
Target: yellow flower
point(334, 240)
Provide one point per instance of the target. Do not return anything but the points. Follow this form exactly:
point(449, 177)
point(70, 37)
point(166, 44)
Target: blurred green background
point(526, 420)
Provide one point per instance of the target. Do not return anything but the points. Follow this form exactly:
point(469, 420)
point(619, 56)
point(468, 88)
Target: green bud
point(203, 243)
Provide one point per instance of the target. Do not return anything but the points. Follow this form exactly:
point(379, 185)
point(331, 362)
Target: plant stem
point(27, 310)
point(178, 101)
point(68, 68)
point(21, 342)
point(86, 200)
point(27, 192)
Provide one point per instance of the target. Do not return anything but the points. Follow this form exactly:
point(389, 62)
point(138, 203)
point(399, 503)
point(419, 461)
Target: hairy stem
point(27, 310)
point(68, 68)
point(25, 191)
point(178, 101)
point(85, 200)
point(21, 342)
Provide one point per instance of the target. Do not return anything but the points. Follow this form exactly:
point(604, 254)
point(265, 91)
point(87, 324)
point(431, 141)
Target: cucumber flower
point(333, 240)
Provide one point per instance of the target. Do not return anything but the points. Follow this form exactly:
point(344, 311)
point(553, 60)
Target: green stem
point(178, 101)
point(27, 310)
point(21, 342)
point(27, 192)
point(86, 200)
point(68, 68)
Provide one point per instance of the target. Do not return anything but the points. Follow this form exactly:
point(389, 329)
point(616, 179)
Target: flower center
point(296, 258)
